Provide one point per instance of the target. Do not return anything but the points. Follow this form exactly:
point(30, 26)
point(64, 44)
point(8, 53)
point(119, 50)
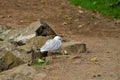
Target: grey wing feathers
point(51, 45)
point(56, 44)
point(45, 45)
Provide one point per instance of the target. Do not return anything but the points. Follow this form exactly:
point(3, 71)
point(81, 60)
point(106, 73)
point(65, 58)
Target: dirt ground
point(101, 35)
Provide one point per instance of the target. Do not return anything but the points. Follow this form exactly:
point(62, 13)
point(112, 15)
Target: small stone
point(76, 20)
point(79, 7)
point(80, 11)
point(2, 16)
point(65, 23)
point(21, 21)
point(117, 22)
point(95, 23)
point(79, 26)
point(9, 16)
point(64, 52)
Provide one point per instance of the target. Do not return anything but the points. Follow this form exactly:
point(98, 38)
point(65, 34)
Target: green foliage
point(106, 7)
point(39, 62)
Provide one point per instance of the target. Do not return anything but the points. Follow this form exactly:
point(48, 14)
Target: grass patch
point(106, 7)
point(39, 62)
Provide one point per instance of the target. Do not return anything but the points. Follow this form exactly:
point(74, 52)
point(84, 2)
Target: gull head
point(58, 38)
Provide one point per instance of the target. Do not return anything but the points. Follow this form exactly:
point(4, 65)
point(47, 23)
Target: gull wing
point(51, 45)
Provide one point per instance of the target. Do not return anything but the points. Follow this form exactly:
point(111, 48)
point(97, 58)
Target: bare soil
point(100, 33)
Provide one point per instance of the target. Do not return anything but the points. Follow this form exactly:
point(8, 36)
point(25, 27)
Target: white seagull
point(52, 44)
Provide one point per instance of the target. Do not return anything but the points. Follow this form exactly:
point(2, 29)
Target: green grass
point(102, 6)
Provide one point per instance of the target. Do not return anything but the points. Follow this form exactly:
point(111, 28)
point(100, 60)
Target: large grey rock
point(32, 45)
point(36, 28)
point(22, 72)
point(40, 28)
point(73, 47)
point(9, 61)
point(21, 36)
point(4, 48)
point(20, 53)
point(22, 39)
point(35, 42)
point(7, 33)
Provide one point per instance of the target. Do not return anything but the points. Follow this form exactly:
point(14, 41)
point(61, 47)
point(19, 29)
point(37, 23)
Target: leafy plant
point(39, 62)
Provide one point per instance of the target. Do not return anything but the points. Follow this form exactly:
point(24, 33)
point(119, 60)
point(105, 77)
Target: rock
point(19, 76)
point(7, 33)
point(21, 36)
point(2, 66)
point(35, 42)
point(21, 51)
point(10, 56)
point(80, 11)
point(22, 54)
point(11, 61)
point(21, 40)
point(22, 72)
point(36, 28)
point(3, 77)
point(4, 30)
point(74, 47)
point(40, 28)
point(2, 37)
point(12, 34)
point(117, 22)
point(40, 76)
point(32, 47)
point(5, 46)
point(14, 58)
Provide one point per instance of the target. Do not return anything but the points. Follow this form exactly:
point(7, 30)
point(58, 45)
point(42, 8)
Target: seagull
point(51, 45)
